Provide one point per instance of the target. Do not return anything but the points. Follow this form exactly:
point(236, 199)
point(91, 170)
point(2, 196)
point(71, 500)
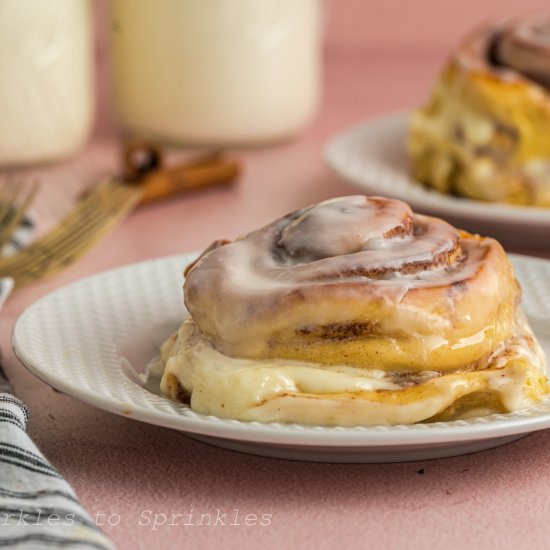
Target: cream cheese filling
point(287, 391)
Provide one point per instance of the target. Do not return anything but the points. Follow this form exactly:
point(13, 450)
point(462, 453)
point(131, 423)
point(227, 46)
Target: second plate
point(372, 155)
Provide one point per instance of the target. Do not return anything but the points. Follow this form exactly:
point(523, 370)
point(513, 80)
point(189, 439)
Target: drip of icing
point(250, 390)
point(477, 338)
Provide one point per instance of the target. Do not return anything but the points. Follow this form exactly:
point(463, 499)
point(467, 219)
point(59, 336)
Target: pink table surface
point(122, 469)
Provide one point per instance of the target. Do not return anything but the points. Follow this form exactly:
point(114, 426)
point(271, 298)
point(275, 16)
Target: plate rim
point(361, 437)
point(437, 203)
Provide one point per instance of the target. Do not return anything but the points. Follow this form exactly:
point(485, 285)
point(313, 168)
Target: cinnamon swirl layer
point(484, 132)
point(360, 281)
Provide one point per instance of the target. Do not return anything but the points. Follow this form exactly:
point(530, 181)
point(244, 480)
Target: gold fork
point(97, 212)
point(93, 216)
point(15, 199)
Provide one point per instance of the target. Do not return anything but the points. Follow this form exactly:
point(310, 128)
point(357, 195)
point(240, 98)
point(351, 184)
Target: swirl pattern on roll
point(525, 47)
point(356, 280)
point(516, 49)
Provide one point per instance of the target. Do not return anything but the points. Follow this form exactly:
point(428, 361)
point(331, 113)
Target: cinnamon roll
point(354, 311)
point(484, 132)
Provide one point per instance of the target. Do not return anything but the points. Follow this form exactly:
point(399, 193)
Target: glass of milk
point(46, 84)
point(216, 72)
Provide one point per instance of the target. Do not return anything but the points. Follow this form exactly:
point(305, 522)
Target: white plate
point(373, 156)
point(90, 339)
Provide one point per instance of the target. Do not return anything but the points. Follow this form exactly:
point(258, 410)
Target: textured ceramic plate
point(373, 156)
point(92, 339)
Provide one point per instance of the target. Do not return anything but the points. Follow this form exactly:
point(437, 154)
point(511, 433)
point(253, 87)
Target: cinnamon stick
point(164, 183)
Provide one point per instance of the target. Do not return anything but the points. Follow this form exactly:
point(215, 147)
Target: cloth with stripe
point(22, 235)
point(38, 508)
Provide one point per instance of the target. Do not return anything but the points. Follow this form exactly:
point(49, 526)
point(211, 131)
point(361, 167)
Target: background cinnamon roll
point(354, 311)
point(484, 132)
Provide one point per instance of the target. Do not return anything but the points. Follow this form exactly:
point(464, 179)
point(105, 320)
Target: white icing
point(474, 339)
point(342, 243)
point(277, 390)
point(270, 284)
point(382, 244)
point(268, 376)
point(338, 227)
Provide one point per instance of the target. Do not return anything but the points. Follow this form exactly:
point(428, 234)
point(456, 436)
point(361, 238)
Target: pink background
point(413, 25)
point(380, 56)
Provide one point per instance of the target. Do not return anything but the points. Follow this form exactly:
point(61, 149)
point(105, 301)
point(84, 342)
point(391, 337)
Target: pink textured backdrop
point(414, 24)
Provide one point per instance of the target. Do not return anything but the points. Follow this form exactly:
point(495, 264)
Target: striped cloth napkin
point(38, 508)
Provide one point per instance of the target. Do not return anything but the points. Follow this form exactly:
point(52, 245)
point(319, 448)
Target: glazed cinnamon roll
point(484, 132)
point(354, 311)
